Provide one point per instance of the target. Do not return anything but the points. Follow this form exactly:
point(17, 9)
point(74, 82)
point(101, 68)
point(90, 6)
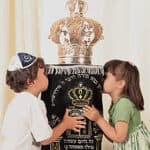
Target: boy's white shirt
point(25, 118)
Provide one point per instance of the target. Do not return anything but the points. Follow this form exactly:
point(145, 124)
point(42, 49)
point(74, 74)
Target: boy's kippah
point(21, 61)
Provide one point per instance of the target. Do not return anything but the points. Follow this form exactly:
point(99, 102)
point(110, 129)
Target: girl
point(125, 127)
point(25, 121)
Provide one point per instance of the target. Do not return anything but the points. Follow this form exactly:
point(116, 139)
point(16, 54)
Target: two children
point(125, 128)
point(25, 120)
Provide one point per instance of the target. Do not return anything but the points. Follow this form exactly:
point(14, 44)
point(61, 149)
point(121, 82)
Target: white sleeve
point(39, 123)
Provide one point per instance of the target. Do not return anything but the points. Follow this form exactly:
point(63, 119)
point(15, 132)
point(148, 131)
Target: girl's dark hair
point(18, 80)
point(128, 72)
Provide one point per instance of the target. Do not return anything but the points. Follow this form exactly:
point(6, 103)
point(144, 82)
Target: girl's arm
point(116, 134)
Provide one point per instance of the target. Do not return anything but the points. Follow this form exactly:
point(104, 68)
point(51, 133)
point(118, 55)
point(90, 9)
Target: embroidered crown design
point(80, 96)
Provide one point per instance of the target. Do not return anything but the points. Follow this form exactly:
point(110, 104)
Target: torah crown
point(76, 35)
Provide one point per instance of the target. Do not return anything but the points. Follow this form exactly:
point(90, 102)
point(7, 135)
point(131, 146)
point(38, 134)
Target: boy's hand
point(74, 123)
point(91, 113)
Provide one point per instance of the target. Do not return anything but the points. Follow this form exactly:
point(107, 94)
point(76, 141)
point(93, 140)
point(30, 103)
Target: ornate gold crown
point(75, 35)
point(80, 96)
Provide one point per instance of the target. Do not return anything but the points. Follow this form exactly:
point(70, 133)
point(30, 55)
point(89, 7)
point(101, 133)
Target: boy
point(25, 120)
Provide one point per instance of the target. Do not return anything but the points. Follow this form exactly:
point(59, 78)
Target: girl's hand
point(74, 123)
point(91, 113)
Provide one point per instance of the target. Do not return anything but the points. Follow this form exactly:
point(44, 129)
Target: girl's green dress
point(138, 135)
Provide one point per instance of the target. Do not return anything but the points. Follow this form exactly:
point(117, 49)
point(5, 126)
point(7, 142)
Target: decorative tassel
point(74, 69)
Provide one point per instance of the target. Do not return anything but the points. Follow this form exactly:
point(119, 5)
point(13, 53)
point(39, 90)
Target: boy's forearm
point(57, 132)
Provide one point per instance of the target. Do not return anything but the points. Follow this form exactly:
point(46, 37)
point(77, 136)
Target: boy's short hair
point(18, 79)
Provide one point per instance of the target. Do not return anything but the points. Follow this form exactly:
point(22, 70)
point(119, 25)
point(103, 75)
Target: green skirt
point(137, 140)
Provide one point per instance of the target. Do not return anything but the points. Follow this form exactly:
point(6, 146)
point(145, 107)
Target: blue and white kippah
point(21, 61)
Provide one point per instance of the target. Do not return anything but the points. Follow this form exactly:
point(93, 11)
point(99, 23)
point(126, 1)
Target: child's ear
point(121, 84)
point(29, 82)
